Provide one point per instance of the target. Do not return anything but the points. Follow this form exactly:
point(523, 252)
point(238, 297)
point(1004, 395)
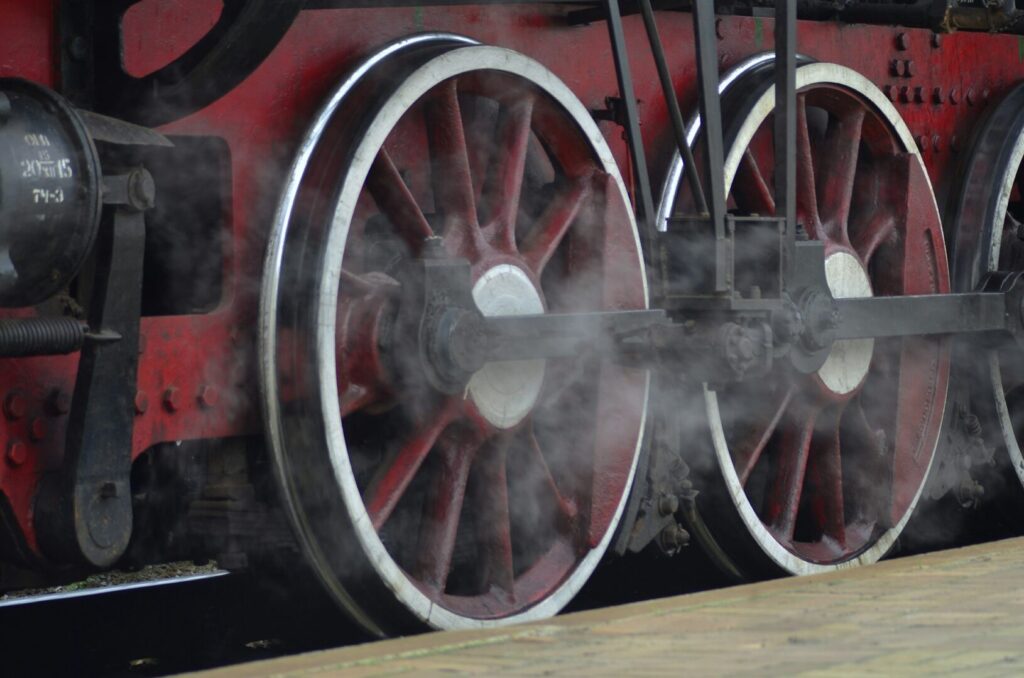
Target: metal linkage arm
point(877, 317)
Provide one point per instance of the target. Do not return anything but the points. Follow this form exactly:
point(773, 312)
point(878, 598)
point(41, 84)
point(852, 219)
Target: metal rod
point(876, 317)
point(711, 118)
point(668, 91)
point(785, 125)
point(644, 201)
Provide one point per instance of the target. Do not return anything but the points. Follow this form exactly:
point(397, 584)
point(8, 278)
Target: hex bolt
point(937, 96)
point(59, 402)
point(15, 405)
point(954, 96)
point(905, 95)
point(17, 452)
point(141, 190)
point(909, 68)
point(919, 95)
point(141, 402)
point(37, 429)
point(78, 48)
point(936, 143)
point(172, 399)
point(970, 96)
point(668, 504)
point(936, 40)
point(208, 396)
point(5, 109)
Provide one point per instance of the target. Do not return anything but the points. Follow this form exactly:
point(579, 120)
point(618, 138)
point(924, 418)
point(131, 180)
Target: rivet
point(896, 68)
point(141, 402)
point(936, 40)
point(905, 95)
point(719, 32)
point(922, 142)
point(208, 396)
point(17, 453)
point(936, 142)
point(954, 143)
point(172, 399)
point(970, 96)
point(954, 96)
point(59, 402)
point(919, 95)
point(37, 429)
point(890, 92)
point(937, 95)
point(15, 405)
point(985, 94)
point(902, 41)
point(909, 68)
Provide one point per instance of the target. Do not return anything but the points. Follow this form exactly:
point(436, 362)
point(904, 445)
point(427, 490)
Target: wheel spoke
point(494, 523)
point(567, 509)
point(505, 178)
point(752, 192)
point(793, 450)
point(396, 201)
point(750, 450)
point(454, 196)
point(400, 467)
point(444, 508)
point(806, 195)
point(825, 485)
point(837, 172)
point(879, 228)
point(553, 224)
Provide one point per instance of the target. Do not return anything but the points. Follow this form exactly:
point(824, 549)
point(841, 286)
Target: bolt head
point(37, 429)
point(17, 452)
point(208, 396)
point(15, 405)
point(172, 399)
point(60, 402)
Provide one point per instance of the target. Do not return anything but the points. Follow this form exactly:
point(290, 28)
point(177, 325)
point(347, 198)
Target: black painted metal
point(49, 193)
point(711, 124)
point(84, 514)
point(968, 312)
point(785, 124)
point(672, 101)
point(93, 74)
point(642, 187)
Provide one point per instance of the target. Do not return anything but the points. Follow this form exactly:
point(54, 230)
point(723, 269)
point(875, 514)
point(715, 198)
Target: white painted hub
point(505, 392)
point(848, 362)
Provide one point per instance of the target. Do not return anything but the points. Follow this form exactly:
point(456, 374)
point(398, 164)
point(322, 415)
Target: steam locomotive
point(445, 302)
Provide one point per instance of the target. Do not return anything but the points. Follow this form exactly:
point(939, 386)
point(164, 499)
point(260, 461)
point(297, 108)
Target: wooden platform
point(958, 611)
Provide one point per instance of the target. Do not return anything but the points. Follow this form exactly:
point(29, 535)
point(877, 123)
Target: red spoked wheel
point(495, 503)
point(824, 469)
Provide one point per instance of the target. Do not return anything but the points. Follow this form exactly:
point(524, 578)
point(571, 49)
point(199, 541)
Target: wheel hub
point(849, 360)
point(505, 392)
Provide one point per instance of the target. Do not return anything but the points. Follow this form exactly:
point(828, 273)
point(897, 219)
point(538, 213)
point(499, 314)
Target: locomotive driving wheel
point(987, 236)
point(415, 506)
point(817, 471)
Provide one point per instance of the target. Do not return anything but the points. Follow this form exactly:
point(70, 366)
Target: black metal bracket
point(84, 512)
